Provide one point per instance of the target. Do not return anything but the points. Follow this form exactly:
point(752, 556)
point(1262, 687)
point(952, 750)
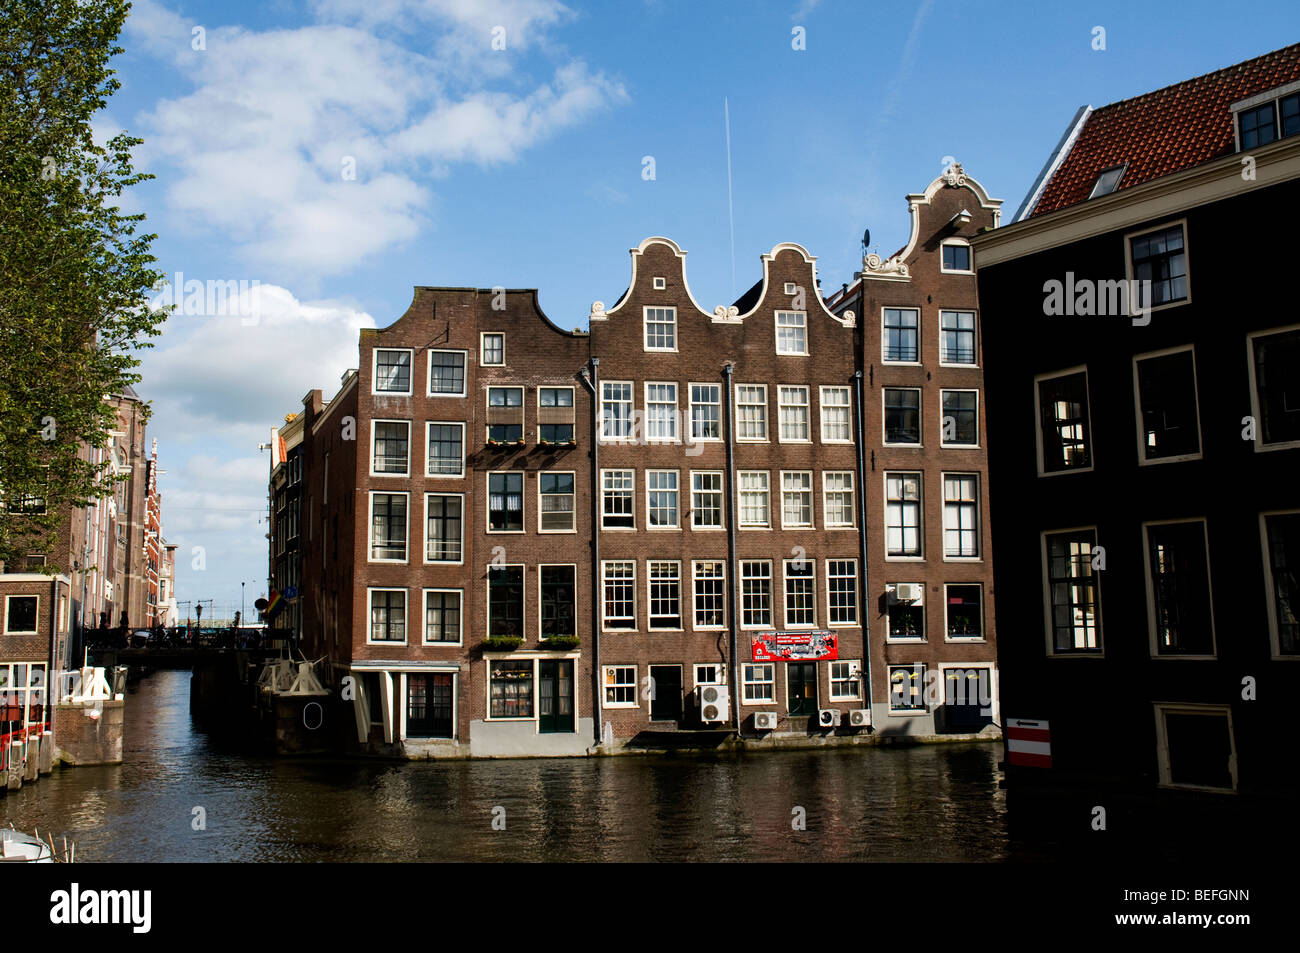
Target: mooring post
point(32, 757)
point(15, 765)
point(46, 763)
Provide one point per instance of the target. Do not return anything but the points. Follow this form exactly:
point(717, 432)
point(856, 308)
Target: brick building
point(919, 342)
point(286, 525)
point(1145, 435)
point(443, 545)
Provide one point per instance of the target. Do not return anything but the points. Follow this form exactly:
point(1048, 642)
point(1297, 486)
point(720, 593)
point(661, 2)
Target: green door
point(555, 695)
point(801, 688)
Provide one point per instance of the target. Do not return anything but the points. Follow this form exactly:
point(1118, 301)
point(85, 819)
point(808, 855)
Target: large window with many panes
point(616, 499)
point(665, 582)
point(800, 593)
point(506, 601)
point(903, 514)
point(706, 499)
point(1158, 262)
point(1178, 581)
point(961, 537)
point(388, 527)
point(387, 615)
point(751, 411)
point(1275, 391)
point(1073, 600)
point(1168, 420)
point(710, 593)
point(755, 498)
point(619, 596)
point(842, 591)
point(505, 502)
point(445, 531)
point(902, 415)
point(1064, 432)
point(901, 335)
point(957, 337)
point(1282, 578)
point(559, 600)
point(756, 593)
point(556, 506)
point(446, 450)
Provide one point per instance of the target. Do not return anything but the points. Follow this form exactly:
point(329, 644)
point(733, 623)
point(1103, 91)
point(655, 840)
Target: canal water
point(179, 796)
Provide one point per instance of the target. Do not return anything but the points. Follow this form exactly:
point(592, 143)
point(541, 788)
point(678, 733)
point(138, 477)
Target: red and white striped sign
point(1029, 743)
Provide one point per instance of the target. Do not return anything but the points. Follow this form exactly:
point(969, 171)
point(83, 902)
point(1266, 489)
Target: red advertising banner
point(814, 646)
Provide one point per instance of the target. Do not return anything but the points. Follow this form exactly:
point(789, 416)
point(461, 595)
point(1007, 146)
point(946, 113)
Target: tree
point(75, 272)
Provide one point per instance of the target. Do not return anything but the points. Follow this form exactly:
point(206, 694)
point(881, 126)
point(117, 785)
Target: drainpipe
point(862, 538)
point(731, 548)
point(591, 380)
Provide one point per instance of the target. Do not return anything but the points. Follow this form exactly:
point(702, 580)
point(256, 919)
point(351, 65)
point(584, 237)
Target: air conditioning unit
point(860, 717)
point(714, 703)
point(908, 592)
point(764, 720)
point(828, 717)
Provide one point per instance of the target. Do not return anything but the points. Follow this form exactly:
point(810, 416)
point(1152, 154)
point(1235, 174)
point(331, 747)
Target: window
point(751, 411)
point(506, 433)
point(445, 529)
point(706, 500)
point(956, 257)
point(660, 283)
point(906, 618)
point(615, 410)
point(1178, 572)
point(1107, 182)
point(1073, 601)
point(556, 505)
point(963, 603)
point(906, 688)
point(902, 335)
point(661, 411)
point(846, 683)
point(754, 498)
point(1064, 439)
point(957, 337)
point(391, 442)
point(616, 499)
point(661, 329)
point(791, 332)
point(511, 688)
point(706, 412)
point(620, 594)
point(559, 600)
point(20, 614)
point(1258, 126)
point(756, 593)
point(620, 686)
point(796, 499)
point(1196, 747)
point(446, 373)
point(1168, 420)
point(446, 450)
point(902, 415)
point(842, 591)
point(506, 601)
point(388, 615)
point(710, 593)
point(1275, 393)
point(902, 514)
point(505, 397)
point(837, 499)
point(1282, 576)
point(1290, 109)
point(665, 594)
point(555, 397)
point(494, 350)
point(759, 683)
point(792, 413)
point(661, 498)
point(960, 424)
point(392, 371)
point(505, 502)
point(800, 597)
point(442, 615)
point(836, 426)
point(709, 675)
point(961, 515)
point(555, 433)
point(387, 527)
point(1160, 258)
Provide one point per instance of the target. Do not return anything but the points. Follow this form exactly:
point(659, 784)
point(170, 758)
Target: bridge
point(179, 656)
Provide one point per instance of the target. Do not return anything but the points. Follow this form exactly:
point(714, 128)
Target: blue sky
point(523, 167)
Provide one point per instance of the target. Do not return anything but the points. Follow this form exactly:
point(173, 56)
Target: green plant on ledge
point(502, 643)
point(561, 642)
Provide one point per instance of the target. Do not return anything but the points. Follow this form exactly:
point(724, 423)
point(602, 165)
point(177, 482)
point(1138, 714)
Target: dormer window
point(1108, 181)
point(956, 257)
point(1258, 126)
point(1268, 117)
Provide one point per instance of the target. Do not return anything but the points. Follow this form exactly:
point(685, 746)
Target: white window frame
point(601, 420)
point(482, 348)
point(645, 327)
point(785, 592)
point(695, 609)
point(983, 636)
point(573, 512)
point(1187, 257)
point(1150, 589)
point(1162, 709)
point(464, 372)
point(778, 326)
point(763, 389)
point(889, 690)
point(1255, 410)
point(604, 489)
point(673, 418)
point(740, 500)
point(406, 616)
point(920, 604)
point(659, 283)
point(649, 597)
point(1270, 597)
point(721, 493)
point(424, 616)
point(460, 474)
point(746, 684)
point(942, 417)
point(974, 333)
point(970, 254)
point(1038, 421)
point(35, 631)
point(425, 533)
point(691, 404)
point(826, 496)
point(857, 610)
point(1049, 630)
point(374, 373)
point(677, 509)
point(718, 668)
point(635, 685)
point(573, 405)
point(884, 417)
point(782, 406)
point(374, 436)
point(1196, 400)
point(771, 593)
point(812, 503)
point(920, 513)
point(884, 339)
point(370, 527)
point(487, 503)
point(604, 583)
point(847, 407)
point(854, 675)
point(978, 528)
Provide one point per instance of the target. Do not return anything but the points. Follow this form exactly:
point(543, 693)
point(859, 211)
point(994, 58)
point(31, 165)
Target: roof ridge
point(1203, 76)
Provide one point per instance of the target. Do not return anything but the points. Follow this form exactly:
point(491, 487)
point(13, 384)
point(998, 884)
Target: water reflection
point(909, 804)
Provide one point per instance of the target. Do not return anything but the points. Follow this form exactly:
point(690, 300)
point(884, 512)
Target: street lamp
point(241, 603)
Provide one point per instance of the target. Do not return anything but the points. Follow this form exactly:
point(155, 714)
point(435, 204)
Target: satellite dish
point(866, 237)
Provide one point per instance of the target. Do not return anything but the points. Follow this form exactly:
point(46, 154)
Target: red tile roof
point(1165, 131)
